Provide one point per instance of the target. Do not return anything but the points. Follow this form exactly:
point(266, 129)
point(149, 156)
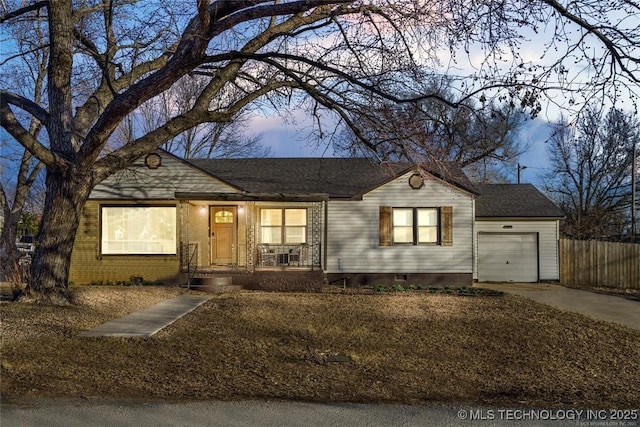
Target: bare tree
point(479, 138)
point(206, 140)
point(106, 59)
point(590, 173)
point(16, 191)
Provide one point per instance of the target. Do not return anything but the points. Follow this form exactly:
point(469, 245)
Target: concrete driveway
point(598, 306)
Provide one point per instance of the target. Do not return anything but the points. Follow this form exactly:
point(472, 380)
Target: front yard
point(402, 348)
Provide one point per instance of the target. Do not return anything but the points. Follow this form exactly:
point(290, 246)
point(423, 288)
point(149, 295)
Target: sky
point(287, 140)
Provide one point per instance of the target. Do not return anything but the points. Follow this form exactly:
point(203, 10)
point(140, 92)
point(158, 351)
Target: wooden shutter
point(386, 226)
point(446, 218)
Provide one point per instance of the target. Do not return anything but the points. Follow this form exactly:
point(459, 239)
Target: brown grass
point(403, 348)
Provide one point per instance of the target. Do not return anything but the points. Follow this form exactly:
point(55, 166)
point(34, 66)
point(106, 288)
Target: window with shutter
point(415, 226)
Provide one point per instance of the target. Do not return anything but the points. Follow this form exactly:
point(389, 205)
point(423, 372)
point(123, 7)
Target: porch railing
point(296, 255)
point(189, 260)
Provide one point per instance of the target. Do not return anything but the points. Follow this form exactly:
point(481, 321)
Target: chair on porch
point(299, 254)
point(267, 255)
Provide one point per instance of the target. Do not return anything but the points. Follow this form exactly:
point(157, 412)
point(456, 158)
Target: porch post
point(251, 235)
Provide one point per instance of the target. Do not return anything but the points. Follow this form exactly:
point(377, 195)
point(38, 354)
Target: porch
point(264, 280)
point(253, 242)
point(251, 235)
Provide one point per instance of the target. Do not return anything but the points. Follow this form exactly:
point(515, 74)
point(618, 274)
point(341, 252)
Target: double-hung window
point(415, 226)
point(283, 226)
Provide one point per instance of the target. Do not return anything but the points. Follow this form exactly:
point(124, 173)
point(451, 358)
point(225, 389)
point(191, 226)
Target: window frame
point(283, 225)
point(101, 225)
point(415, 226)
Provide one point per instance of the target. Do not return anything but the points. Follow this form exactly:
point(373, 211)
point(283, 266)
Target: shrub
point(133, 281)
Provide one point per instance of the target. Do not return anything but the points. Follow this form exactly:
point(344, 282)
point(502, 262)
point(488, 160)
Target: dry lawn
point(404, 348)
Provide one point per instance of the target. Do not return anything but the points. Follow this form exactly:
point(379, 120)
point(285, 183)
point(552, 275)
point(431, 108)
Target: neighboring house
point(254, 220)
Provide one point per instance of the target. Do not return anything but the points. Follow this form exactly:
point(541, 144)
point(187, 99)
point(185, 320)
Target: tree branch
point(190, 52)
point(608, 43)
point(369, 87)
point(15, 129)
point(27, 105)
point(24, 10)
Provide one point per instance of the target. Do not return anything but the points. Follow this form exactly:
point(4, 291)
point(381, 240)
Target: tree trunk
point(10, 270)
point(66, 195)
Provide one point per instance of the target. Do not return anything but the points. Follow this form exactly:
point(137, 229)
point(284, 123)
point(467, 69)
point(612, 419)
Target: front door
point(223, 234)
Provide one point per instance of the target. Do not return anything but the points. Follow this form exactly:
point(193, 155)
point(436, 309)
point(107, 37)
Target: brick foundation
point(387, 279)
point(280, 281)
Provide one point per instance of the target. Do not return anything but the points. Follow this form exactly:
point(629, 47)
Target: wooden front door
point(223, 234)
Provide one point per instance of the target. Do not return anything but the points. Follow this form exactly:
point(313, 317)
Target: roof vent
point(416, 181)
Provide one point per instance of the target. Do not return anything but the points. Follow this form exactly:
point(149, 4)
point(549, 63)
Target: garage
point(508, 257)
point(516, 234)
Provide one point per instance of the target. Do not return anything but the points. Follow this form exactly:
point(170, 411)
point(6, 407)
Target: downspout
point(558, 261)
point(474, 246)
point(326, 235)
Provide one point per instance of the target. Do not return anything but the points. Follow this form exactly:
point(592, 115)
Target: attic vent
point(153, 161)
point(416, 181)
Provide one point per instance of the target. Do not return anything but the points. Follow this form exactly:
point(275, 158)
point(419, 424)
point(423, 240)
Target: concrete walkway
point(598, 306)
point(147, 322)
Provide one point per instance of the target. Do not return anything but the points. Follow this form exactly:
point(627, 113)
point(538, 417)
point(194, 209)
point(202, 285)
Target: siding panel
point(140, 182)
point(353, 232)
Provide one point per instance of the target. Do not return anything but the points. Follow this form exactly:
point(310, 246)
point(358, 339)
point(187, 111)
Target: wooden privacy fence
point(593, 263)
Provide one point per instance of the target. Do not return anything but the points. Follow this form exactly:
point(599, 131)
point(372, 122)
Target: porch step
point(216, 289)
point(228, 281)
point(214, 284)
point(294, 281)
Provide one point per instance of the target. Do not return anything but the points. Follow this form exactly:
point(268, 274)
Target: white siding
point(353, 232)
point(548, 240)
point(140, 182)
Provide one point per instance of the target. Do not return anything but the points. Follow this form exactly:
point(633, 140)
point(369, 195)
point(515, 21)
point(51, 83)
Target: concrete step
point(212, 289)
point(214, 284)
point(258, 280)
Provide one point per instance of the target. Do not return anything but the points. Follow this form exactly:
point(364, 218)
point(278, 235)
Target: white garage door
point(507, 257)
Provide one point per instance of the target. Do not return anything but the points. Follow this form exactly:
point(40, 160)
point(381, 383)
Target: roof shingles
point(514, 200)
point(337, 177)
point(353, 177)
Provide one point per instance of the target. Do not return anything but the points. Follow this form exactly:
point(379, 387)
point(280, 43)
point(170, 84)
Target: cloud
point(288, 139)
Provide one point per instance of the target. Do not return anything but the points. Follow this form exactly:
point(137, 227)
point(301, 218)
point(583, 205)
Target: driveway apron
point(603, 307)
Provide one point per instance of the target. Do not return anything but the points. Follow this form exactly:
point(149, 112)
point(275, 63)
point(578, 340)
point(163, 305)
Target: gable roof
point(337, 177)
point(514, 200)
